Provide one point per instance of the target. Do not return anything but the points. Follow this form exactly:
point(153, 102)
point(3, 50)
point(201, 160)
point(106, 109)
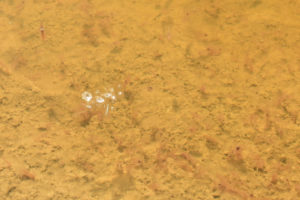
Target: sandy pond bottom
point(209, 104)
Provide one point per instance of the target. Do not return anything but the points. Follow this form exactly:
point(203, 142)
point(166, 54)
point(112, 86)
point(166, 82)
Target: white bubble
point(113, 97)
point(86, 96)
point(99, 99)
point(120, 93)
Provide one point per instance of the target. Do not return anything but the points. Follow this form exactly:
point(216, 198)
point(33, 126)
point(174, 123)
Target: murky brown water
point(149, 99)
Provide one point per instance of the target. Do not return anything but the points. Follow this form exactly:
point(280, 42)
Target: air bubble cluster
point(105, 99)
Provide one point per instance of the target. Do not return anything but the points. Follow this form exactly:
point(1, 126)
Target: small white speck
point(107, 108)
point(107, 95)
point(86, 96)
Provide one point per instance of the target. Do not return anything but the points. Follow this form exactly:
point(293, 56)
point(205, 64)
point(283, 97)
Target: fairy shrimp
point(42, 30)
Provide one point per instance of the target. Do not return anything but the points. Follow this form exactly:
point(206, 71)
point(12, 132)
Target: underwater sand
point(208, 106)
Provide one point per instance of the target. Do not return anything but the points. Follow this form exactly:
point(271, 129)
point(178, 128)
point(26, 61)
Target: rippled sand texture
point(210, 104)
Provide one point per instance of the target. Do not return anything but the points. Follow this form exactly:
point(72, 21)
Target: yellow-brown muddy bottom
point(157, 100)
